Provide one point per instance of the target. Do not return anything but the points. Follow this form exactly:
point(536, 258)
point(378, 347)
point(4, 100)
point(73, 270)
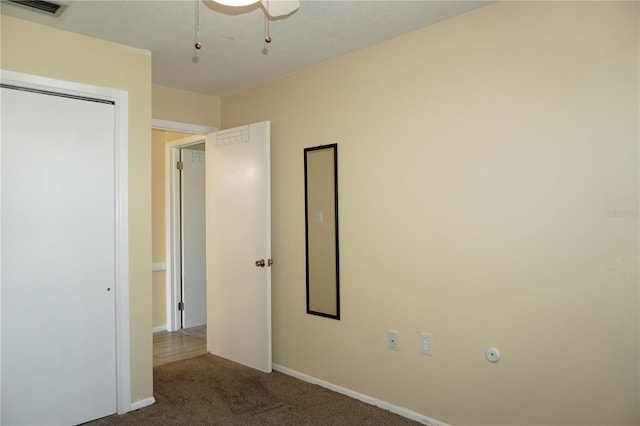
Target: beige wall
point(185, 107)
point(44, 51)
point(489, 196)
point(158, 219)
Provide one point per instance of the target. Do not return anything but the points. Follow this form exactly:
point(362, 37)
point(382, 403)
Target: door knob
point(260, 263)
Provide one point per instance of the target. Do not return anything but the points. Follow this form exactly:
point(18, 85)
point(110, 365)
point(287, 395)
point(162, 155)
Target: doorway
point(238, 238)
point(165, 298)
point(186, 273)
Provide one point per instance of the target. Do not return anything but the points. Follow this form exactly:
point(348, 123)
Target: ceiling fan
point(273, 8)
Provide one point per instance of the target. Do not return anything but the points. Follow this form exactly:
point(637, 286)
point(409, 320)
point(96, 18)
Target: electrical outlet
point(394, 341)
point(425, 343)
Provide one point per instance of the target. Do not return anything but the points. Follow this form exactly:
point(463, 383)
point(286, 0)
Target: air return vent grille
point(42, 6)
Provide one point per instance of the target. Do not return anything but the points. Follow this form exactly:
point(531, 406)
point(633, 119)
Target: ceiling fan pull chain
point(267, 37)
point(196, 31)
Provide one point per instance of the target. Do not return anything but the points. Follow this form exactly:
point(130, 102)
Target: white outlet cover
point(393, 338)
point(425, 343)
point(492, 354)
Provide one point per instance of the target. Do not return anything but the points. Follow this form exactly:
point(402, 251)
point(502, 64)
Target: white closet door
point(57, 255)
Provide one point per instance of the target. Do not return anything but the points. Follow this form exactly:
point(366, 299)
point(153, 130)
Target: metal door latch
point(260, 263)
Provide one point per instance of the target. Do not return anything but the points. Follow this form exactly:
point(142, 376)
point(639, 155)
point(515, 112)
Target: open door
point(192, 218)
point(238, 247)
point(186, 277)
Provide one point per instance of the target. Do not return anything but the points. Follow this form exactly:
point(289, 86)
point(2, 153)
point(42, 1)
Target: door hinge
point(181, 306)
point(179, 165)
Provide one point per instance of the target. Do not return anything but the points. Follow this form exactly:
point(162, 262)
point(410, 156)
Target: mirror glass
point(321, 226)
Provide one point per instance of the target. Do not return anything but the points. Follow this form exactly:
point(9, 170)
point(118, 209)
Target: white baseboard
point(143, 403)
point(360, 397)
point(160, 328)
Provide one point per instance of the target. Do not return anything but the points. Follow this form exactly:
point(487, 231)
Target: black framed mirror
point(321, 230)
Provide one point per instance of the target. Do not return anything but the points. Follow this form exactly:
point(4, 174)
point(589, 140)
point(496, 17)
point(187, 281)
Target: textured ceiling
point(234, 55)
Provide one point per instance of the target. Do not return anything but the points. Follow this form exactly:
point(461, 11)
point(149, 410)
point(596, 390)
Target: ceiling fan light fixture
point(236, 3)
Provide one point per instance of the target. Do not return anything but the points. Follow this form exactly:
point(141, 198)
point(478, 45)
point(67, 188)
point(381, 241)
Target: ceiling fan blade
point(277, 8)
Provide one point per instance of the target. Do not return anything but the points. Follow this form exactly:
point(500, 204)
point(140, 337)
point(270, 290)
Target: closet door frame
point(120, 98)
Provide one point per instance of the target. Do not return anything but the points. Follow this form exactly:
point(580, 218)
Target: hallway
point(177, 345)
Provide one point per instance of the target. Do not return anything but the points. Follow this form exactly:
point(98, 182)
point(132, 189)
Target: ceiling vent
point(41, 6)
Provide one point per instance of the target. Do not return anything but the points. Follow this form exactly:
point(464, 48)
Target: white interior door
point(238, 205)
point(58, 341)
point(192, 180)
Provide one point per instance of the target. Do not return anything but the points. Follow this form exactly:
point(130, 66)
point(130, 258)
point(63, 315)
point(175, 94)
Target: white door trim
point(172, 155)
point(176, 126)
point(121, 100)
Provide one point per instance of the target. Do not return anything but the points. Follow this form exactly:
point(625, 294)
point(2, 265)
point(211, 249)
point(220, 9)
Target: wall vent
point(41, 6)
